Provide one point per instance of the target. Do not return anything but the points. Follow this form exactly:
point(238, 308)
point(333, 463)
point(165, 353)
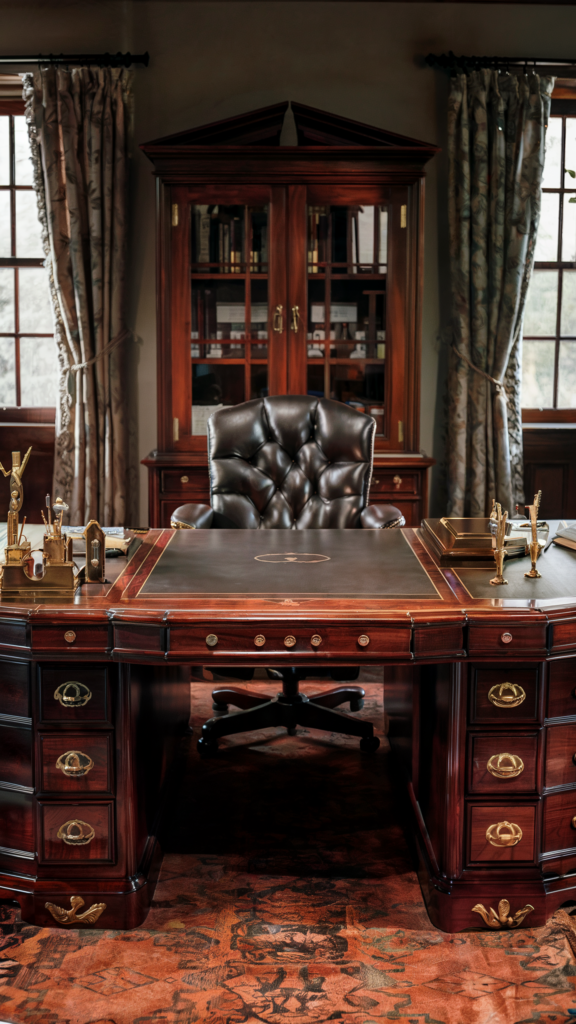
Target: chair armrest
point(192, 517)
point(381, 517)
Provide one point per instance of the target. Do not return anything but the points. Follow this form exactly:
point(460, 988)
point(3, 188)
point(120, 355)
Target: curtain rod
point(103, 60)
point(450, 62)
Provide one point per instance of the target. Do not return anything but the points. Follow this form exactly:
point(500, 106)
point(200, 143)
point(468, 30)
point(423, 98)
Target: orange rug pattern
point(287, 896)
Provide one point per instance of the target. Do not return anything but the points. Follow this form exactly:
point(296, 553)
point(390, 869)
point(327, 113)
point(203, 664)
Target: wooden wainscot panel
point(512, 638)
point(563, 635)
point(16, 755)
point(13, 633)
point(16, 816)
point(71, 637)
point(504, 696)
point(559, 822)
point(561, 688)
point(436, 641)
point(560, 757)
point(219, 639)
point(64, 762)
point(503, 763)
point(505, 823)
point(76, 833)
point(74, 694)
point(15, 688)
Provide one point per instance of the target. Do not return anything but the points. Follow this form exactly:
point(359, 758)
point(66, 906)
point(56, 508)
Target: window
point(28, 362)
point(549, 348)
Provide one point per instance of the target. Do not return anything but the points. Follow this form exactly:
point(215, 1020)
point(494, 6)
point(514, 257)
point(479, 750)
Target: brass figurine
point(17, 546)
point(534, 544)
point(500, 518)
point(502, 919)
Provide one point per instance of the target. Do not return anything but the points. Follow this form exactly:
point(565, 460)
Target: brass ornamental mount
point(69, 636)
point(504, 833)
point(502, 919)
point(289, 641)
point(507, 695)
point(76, 832)
point(316, 640)
point(72, 694)
point(363, 640)
point(72, 916)
point(500, 518)
point(74, 764)
point(505, 766)
point(534, 509)
point(211, 639)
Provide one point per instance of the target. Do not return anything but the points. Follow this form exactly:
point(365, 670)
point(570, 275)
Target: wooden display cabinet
point(288, 270)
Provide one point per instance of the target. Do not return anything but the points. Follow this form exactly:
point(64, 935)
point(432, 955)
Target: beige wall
point(211, 60)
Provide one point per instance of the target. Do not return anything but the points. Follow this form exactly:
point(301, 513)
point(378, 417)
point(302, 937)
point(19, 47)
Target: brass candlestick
point(500, 552)
point(534, 545)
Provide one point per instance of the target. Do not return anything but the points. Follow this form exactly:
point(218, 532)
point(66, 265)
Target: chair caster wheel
point(356, 705)
point(291, 730)
point(207, 747)
point(368, 744)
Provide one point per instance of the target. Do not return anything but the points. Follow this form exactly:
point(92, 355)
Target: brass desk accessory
point(17, 546)
point(94, 570)
point(534, 543)
point(500, 518)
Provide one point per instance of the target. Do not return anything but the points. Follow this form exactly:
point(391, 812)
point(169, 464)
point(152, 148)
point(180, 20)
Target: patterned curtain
point(496, 135)
point(78, 128)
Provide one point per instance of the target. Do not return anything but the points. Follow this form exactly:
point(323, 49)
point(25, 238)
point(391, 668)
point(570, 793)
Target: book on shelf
point(566, 537)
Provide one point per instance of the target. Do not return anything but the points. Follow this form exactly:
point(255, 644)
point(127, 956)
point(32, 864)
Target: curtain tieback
point(104, 352)
point(497, 383)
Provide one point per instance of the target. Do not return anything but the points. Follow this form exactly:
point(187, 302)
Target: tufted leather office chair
point(294, 463)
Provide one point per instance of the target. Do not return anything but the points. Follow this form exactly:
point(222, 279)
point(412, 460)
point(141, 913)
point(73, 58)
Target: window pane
point(569, 230)
point(4, 150)
point(258, 381)
point(218, 237)
point(34, 301)
point(541, 303)
point(38, 371)
point(7, 372)
point(28, 237)
point(6, 299)
point(551, 178)
point(568, 315)
point(383, 242)
point(547, 241)
point(567, 375)
point(23, 160)
point(570, 155)
point(5, 233)
point(538, 374)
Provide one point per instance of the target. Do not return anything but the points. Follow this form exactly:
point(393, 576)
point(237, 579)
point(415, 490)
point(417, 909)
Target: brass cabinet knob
point(260, 640)
point(76, 832)
point(72, 694)
point(316, 640)
point(363, 640)
point(211, 640)
point(507, 695)
point(506, 638)
point(74, 764)
point(504, 833)
point(289, 641)
point(505, 766)
point(69, 636)
point(184, 479)
point(396, 480)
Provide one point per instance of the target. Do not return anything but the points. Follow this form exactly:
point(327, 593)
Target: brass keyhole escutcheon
point(506, 638)
point(69, 636)
point(211, 640)
point(76, 832)
point(507, 695)
point(316, 640)
point(260, 640)
point(74, 764)
point(504, 833)
point(363, 640)
point(289, 641)
point(72, 694)
point(505, 766)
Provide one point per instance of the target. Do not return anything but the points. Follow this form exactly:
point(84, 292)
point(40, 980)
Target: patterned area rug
point(287, 896)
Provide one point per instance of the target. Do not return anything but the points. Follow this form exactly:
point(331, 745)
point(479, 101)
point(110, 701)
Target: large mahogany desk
point(467, 679)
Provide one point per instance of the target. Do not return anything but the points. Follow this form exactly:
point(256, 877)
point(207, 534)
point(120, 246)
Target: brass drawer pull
point(211, 640)
point(504, 833)
point(316, 640)
point(506, 638)
point(184, 479)
point(505, 766)
point(72, 694)
point(69, 636)
point(74, 764)
point(260, 640)
point(76, 832)
point(289, 641)
point(363, 640)
point(507, 695)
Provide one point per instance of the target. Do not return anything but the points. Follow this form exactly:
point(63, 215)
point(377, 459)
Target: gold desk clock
point(58, 576)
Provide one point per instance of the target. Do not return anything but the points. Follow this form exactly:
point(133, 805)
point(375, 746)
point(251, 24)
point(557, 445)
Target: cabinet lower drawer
point(74, 694)
point(559, 831)
point(502, 763)
point(560, 763)
point(561, 689)
point(294, 640)
point(504, 696)
point(15, 689)
point(70, 638)
point(501, 833)
point(392, 483)
point(184, 482)
point(76, 832)
point(75, 762)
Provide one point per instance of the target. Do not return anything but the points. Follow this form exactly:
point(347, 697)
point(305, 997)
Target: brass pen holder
point(499, 518)
point(499, 556)
point(534, 509)
point(534, 552)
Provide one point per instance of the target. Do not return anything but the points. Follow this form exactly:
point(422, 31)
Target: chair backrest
point(290, 462)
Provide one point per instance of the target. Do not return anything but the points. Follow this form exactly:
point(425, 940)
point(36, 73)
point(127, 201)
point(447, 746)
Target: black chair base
point(289, 709)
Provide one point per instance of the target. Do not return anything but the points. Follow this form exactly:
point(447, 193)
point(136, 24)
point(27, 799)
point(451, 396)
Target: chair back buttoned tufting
point(290, 462)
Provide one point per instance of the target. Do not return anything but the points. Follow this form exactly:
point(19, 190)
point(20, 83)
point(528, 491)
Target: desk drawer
point(296, 641)
point(70, 638)
point(74, 694)
point(561, 689)
point(75, 762)
point(560, 766)
point(524, 639)
point(503, 763)
point(506, 823)
point(395, 482)
point(559, 832)
point(15, 689)
point(184, 482)
point(504, 696)
point(76, 832)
